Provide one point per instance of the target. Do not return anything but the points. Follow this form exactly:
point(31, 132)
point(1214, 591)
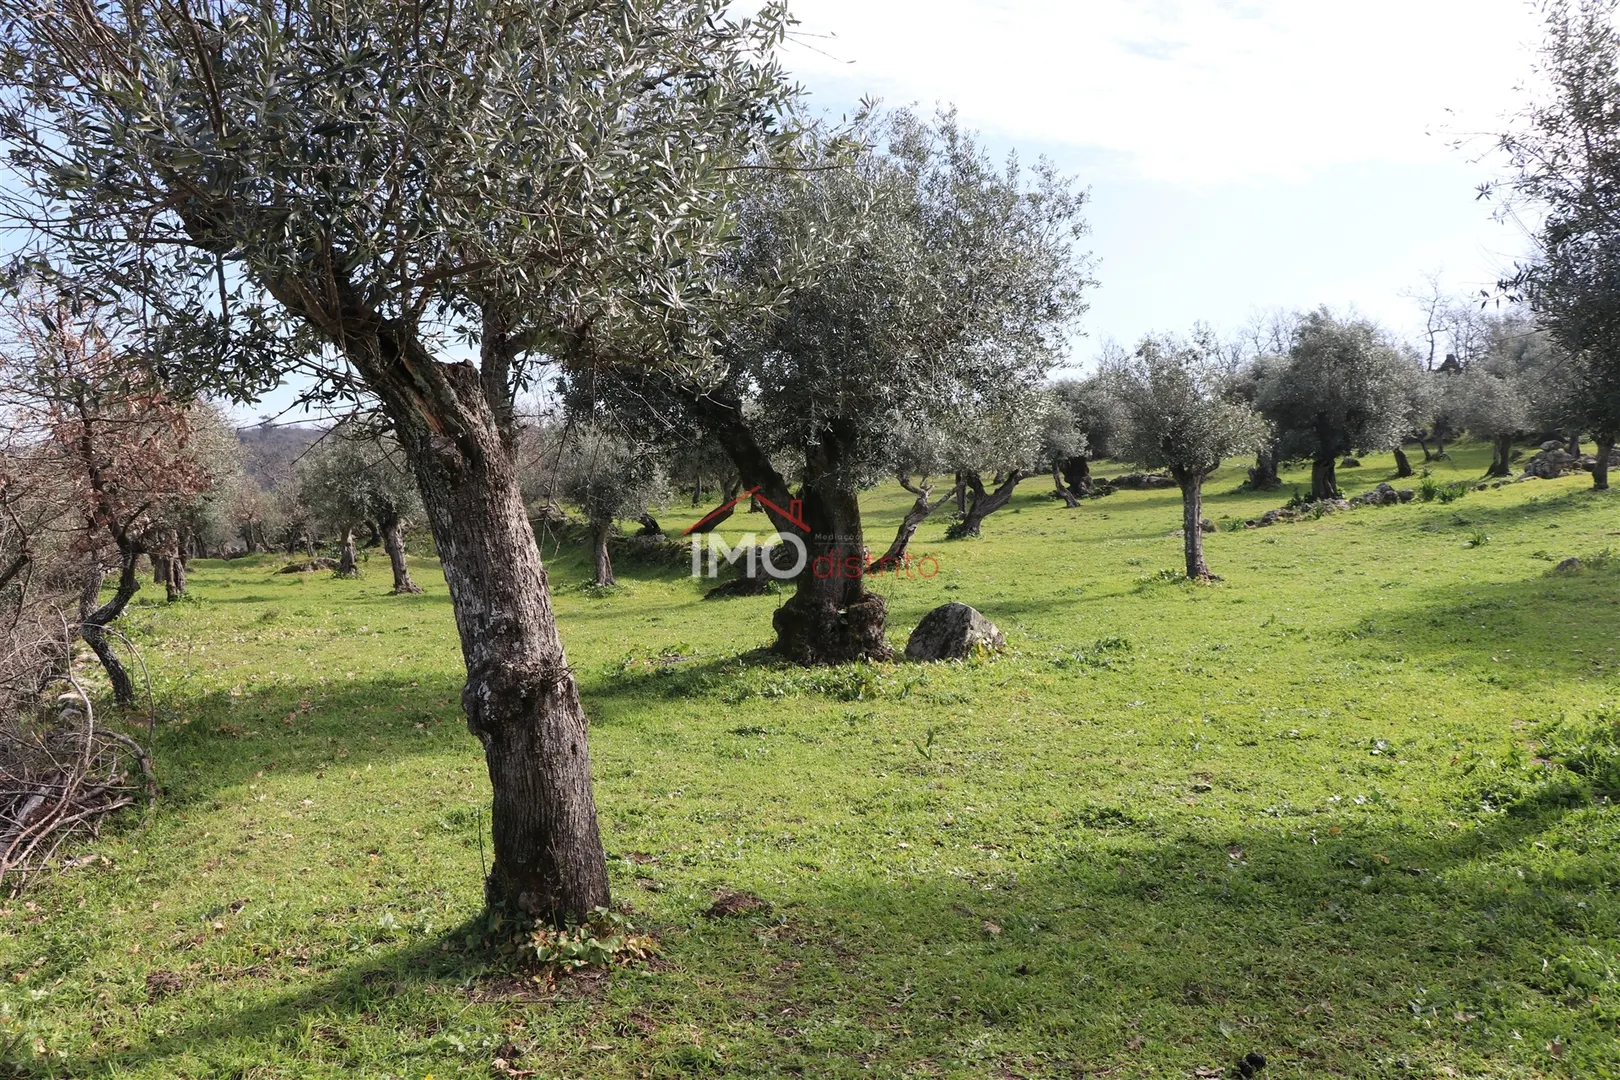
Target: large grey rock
point(952, 632)
point(1551, 464)
point(1142, 481)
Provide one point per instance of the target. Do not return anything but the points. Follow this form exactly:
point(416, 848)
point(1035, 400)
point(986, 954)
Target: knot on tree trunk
point(505, 691)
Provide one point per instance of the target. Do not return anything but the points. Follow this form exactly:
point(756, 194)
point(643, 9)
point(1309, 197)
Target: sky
point(1242, 155)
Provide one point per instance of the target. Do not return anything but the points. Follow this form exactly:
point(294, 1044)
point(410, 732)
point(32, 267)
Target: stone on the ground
point(309, 566)
point(952, 632)
point(1568, 566)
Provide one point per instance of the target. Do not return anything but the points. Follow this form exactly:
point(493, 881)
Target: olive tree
point(1343, 387)
point(347, 189)
point(932, 283)
point(1006, 437)
point(351, 478)
point(1086, 425)
point(608, 478)
point(1178, 416)
point(1565, 151)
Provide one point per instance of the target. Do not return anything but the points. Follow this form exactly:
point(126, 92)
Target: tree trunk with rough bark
point(1424, 443)
point(1600, 468)
point(347, 567)
point(374, 536)
point(1063, 492)
point(94, 620)
point(174, 588)
point(984, 502)
point(1263, 475)
point(831, 618)
point(1077, 475)
point(960, 493)
point(1403, 466)
point(600, 531)
point(1574, 446)
point(1192, 524)
point(1501, 451)
point(393, 536)
point(520, 697)
point(1324, 479)
point(920, 512)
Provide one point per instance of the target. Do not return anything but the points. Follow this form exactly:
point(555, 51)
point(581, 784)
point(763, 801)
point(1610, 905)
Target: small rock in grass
point(952, 632)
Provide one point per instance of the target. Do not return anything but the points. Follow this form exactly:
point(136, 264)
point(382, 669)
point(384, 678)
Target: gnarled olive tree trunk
point(94, 619)
point(1600, 467)
point(347, 567)
point(1062, 489)
point(1501, 451)
point(520, 697)
point(1263, 475)
point(1324, 478)
point(831, 618)
point(1403, 466)
point(600, 531)
point(1077, 476)
point(984, 502)
point(920, 511)
point(174, 588)
point(1192, 523)
point(393, 539)
point(454, 424)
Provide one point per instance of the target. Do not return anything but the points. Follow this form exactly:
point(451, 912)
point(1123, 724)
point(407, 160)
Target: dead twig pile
point(60, 777)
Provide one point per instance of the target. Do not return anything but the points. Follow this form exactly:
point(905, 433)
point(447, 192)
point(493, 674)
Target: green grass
point(1348, 808)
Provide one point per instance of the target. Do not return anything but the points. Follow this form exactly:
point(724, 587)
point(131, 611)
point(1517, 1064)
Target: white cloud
point(1187, 91)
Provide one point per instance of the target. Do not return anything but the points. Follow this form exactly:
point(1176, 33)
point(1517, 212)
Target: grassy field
point(1348, 808)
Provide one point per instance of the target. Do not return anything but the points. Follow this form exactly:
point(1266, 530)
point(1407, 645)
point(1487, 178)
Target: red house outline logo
point(793, 514)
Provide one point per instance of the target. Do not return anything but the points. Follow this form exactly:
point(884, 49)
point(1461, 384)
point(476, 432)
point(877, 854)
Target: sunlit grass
point(1303, 812)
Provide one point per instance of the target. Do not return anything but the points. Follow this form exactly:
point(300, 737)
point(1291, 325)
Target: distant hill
point(269, 451)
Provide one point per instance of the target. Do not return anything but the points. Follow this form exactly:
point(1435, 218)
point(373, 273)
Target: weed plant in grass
point(1349, 808)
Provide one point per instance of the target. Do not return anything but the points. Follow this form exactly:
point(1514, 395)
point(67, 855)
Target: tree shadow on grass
point(1555, 627)
point(1350, 953)
point(219, 739)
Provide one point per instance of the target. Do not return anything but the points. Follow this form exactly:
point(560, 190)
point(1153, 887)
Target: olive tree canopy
point(1345, 386)
point(1178, 416)
point(936, 288)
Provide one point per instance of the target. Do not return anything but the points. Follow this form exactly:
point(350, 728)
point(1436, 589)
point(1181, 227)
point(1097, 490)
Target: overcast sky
point(1241, 154)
